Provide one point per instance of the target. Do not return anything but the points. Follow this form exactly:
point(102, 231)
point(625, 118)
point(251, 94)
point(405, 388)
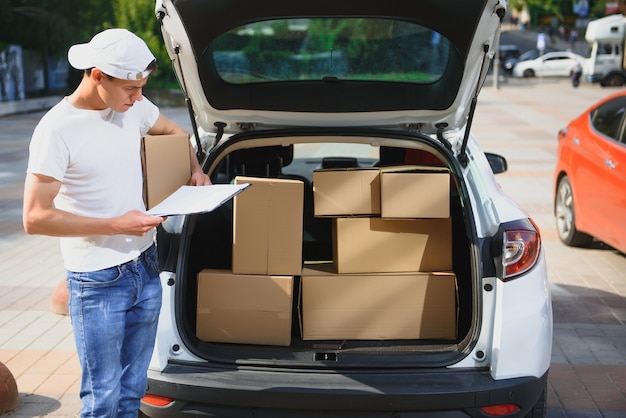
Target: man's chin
point(123, 108)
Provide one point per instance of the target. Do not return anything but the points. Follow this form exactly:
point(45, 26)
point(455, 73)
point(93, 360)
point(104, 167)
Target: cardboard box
point(378, 245)
point(418, 192)
point(166, 166)
point(267, 227)
point(244, 309)
point(378, 306)
point(346, 192)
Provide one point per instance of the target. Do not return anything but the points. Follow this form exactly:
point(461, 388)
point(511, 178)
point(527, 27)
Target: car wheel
point(540, 408)
point(528, 73)
point(613, 80)
point(566, 218)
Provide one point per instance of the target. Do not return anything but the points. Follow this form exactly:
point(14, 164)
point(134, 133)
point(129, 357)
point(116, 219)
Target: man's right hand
point(43, 218)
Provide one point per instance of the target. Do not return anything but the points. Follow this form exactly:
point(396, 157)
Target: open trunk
point(207, 246)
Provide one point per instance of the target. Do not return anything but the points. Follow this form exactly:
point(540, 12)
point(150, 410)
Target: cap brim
point(79, 57)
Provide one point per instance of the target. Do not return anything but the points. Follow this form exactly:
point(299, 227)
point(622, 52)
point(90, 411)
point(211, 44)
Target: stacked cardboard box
point(370, 306)
point(392, 256)
point(244, 308)
point(346, 192)
point(390, 277)
point(267, 234)
point(388, 192)
point(379, 245)
point(252, 304)
point(402, 221)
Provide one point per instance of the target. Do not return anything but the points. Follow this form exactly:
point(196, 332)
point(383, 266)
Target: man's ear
point(96, 75)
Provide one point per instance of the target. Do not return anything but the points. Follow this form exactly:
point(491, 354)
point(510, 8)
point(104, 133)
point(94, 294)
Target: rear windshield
point(365, 49)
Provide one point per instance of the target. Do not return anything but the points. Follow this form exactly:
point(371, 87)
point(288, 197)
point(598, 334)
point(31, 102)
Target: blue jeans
point(114, 314)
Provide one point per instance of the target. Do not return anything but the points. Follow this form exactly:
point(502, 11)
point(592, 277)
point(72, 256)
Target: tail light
point(521, 248)
point(500, 410)
point(157, 400)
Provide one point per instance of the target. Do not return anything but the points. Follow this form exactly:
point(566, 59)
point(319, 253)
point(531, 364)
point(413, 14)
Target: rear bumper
point(275, 393)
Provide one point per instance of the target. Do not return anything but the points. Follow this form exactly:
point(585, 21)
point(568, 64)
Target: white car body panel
point(519, 338)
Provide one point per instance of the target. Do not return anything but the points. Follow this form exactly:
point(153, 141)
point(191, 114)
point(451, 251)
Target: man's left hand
point(199, 178)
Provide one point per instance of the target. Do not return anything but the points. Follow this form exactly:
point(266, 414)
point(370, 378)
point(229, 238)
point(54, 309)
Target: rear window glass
point(364, 49)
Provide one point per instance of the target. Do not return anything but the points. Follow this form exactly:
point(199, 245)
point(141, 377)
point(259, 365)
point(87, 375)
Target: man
point(84, 184)
point(541, 42)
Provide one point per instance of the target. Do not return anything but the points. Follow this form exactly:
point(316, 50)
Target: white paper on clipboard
point(196, 199)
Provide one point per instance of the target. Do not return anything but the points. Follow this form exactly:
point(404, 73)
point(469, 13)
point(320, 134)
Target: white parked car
point(374, 268)
point(550, 64)
point(531, 54)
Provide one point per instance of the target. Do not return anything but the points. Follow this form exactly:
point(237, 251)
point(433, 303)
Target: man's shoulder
point(63, 118)
point(60, 107)
point(54, 115)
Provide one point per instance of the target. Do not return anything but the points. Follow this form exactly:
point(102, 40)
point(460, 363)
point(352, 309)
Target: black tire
point(613, 80)
point(528, 73)
point(566, 218)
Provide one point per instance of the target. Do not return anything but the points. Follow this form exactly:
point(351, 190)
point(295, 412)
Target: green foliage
point(50, 27)
point(597, 10)
point(542, 10)
point(138, 16)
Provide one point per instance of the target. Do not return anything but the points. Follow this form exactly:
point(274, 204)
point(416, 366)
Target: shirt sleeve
point(48, 153)
point(150, 115)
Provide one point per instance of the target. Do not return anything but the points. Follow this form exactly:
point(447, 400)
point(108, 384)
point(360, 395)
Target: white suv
point(374, 268)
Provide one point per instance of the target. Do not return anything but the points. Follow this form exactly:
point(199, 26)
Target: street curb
point(28, 105)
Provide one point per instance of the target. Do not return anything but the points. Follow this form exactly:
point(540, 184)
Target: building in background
point(12, 74)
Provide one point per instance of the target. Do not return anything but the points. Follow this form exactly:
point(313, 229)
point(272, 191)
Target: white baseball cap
point(116, 52)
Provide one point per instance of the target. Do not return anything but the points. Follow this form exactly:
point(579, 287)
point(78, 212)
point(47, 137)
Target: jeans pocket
point(104, 277)
point(152, 260)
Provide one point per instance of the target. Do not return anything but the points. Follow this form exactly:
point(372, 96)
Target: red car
point(590, 176)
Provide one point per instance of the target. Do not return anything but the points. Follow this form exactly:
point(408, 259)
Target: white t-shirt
point(95, 154)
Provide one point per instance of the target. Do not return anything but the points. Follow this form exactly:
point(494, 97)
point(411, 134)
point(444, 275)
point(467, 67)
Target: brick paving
point(518, 120)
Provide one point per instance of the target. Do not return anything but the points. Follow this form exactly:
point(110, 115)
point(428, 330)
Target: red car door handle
point(609, 163)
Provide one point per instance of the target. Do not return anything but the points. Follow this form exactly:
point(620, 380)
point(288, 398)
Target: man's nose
point(137, 95)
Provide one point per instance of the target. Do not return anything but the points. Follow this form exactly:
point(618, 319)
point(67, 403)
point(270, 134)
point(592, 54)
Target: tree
point(538, 9)
point(51, 27)
point(138, 16)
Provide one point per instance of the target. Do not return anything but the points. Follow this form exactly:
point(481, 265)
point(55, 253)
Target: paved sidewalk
point(519, 120)
point(588, 372)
